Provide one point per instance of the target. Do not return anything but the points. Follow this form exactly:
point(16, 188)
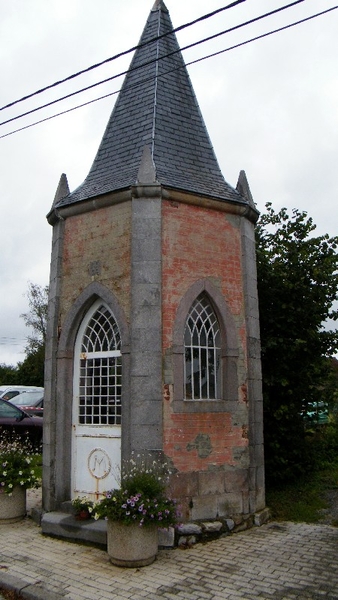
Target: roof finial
point(244, 189)
point(159, 5)
point(62, 189)
point(147, 171)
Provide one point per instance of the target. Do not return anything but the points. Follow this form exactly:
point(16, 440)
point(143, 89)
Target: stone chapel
point(153, 328)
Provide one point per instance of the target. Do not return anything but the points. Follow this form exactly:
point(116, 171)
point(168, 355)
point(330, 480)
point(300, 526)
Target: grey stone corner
point(262, 517)
point(147, 170)
point(244, 189)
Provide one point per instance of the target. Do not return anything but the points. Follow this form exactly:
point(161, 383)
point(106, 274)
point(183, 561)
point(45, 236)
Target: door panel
point(96, 427)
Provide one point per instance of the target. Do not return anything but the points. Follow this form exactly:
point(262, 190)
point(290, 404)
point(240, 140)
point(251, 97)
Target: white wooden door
point(96, 422)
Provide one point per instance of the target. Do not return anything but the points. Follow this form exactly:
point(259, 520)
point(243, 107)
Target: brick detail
point(182, 435)
point(198, 243)
point(102, 238)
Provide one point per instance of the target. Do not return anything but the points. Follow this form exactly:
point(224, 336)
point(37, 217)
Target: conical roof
point(156, 107)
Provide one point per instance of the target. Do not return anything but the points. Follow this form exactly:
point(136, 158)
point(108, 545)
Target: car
point(16, 421)
point(316, 413)
point(10, 391)
point(30, 402)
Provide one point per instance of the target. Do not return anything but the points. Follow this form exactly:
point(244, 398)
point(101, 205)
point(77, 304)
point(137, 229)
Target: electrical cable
point(125, 52)
point(85, 89)
point(264, 35)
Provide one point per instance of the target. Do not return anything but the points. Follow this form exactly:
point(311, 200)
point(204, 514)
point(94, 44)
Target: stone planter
point(13, 508)
point(131, 545)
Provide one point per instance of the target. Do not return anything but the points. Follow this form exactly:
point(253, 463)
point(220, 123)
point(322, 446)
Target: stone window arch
point(202, 352)
point(203, 300)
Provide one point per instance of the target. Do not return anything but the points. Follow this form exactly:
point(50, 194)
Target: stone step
point(65, 526)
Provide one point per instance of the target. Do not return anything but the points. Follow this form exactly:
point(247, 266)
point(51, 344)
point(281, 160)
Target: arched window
point(100, 371)
point(202, 350)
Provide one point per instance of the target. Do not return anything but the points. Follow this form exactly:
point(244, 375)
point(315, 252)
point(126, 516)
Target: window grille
point(202, 343)
point(100, 371)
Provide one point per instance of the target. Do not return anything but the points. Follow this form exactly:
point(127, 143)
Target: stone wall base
point(188, 534)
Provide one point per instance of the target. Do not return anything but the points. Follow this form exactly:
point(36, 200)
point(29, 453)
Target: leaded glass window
point(100, 371)
point(202, 344)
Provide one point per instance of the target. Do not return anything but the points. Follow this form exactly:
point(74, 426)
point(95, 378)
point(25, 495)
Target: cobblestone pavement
point(275, 561)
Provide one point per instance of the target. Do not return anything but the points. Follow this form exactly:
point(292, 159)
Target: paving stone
point(282, 561)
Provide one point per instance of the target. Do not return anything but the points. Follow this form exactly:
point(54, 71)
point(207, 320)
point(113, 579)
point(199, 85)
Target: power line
point(85, 89)
point(125, 52)
point(264, 35)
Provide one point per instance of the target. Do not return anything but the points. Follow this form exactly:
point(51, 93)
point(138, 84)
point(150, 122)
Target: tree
point(297, 286)
point(31, 370)
point(8, 374)
point(36, 318)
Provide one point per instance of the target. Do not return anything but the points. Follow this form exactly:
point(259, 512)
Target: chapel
point(153, 326)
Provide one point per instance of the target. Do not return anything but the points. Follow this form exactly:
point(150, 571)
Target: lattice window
point(100, 371)
point(202, 342)
point(102, 333)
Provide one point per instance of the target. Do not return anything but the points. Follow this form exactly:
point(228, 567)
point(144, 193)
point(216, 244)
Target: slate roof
point(156, 107)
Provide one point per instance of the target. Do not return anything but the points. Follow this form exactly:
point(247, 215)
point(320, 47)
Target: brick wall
point(97, 247)
point(202, 243)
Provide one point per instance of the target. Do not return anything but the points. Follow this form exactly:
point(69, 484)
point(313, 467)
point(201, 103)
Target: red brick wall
point(200, 243)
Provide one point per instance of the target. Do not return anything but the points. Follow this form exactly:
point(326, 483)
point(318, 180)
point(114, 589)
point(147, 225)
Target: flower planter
point(83, 515)
point(131, 545)
point(13, 508)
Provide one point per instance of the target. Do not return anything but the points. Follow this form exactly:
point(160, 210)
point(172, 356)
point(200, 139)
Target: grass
point(302, 500)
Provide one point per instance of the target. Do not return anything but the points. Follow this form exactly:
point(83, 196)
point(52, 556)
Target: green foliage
point(28, 372)
point(8, 375)
point(16, 464)
point(31, 370)
point(303, 499)
point(297, 286)
point(83, 504)
point(142, 496)
point(36, 318)
point(322, 445)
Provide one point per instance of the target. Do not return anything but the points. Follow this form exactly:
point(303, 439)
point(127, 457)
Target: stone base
point(65, 526)
point(13, 507)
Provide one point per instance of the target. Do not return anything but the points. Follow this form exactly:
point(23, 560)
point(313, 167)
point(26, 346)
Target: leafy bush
point(17, 464)
point(142, 497)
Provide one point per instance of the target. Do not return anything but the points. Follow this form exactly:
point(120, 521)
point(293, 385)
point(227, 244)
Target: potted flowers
point(83, 507)
point(17, 474)
point(135, 512)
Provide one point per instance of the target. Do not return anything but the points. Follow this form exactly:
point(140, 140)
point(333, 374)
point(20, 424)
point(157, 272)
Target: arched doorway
point(96, 415)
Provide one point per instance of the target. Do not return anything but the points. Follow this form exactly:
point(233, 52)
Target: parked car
point(7, 392)
point(30, 402)
point(15, 420)
point(316, 413)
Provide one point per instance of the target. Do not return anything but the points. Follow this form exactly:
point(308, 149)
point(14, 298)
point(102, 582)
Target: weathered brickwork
point(208, 450)
point(197, 243)
point(97, 247)
point(196, 441)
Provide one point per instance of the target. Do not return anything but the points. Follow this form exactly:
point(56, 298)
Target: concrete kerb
point(28, 591)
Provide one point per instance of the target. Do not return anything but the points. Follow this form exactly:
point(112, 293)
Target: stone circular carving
point(99, 464)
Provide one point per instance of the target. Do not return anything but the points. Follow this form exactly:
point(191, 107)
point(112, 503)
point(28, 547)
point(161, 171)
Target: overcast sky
point(271, 108)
